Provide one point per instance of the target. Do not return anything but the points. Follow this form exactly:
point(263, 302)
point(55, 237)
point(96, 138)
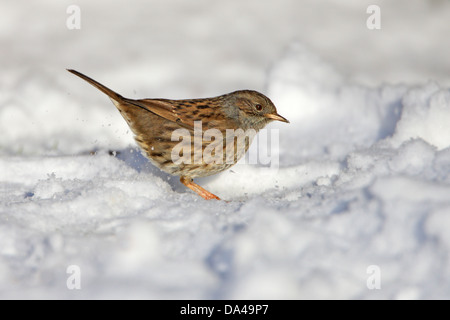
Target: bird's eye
point(258, 107)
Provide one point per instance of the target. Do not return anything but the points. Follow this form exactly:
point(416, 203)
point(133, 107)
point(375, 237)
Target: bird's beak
point(276, 116)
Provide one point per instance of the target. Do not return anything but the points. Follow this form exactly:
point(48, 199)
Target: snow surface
point(364, 165)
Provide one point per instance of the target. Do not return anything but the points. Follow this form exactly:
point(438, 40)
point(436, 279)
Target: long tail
point(113, 95)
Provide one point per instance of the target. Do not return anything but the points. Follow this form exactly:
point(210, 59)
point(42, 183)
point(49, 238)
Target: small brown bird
point(158, 124)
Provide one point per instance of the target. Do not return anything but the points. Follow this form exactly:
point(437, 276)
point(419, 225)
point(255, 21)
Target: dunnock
point(154, 122)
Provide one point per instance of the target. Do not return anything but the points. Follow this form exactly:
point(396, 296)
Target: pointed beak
point(277, 117)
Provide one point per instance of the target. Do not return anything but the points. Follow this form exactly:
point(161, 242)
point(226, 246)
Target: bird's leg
point(205, 194)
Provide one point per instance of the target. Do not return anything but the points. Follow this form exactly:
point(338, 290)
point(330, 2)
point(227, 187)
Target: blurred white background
point(174, 48)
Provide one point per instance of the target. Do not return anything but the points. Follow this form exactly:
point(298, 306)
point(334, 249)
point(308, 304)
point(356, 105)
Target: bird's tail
point(115, 97)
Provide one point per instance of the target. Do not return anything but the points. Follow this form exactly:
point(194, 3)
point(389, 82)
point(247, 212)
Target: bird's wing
point(165, 109)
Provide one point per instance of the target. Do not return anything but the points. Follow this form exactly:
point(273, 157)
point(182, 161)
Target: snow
point(363, 175)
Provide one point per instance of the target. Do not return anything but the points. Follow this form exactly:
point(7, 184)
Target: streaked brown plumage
point(154, 120)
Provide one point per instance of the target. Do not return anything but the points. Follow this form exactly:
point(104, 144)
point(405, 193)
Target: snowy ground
point(361, 196)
